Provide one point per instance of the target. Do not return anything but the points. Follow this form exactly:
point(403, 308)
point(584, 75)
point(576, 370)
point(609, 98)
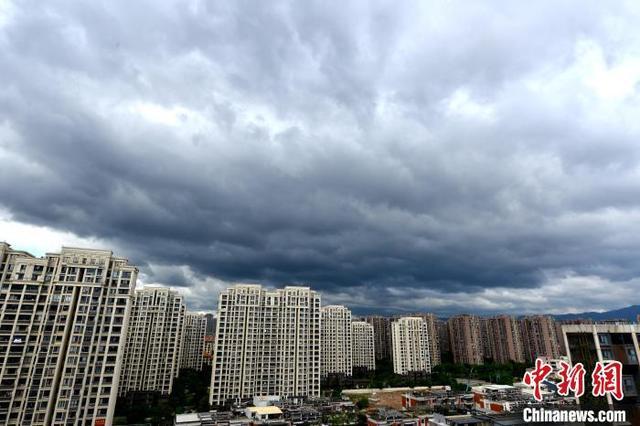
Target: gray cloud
point(430, 150)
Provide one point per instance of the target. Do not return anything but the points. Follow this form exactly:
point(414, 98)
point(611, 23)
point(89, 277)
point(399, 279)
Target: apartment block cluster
point(75, 334)
point(467, 339)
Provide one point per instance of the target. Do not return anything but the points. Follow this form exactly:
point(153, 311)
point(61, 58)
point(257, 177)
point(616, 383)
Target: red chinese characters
point(607, 379)
point(571, 379)
point(536, 377)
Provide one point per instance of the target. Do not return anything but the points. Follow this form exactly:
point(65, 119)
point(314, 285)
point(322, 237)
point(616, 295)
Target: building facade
point(211, 324)
point(539, 337)
point(434, 338)
point(195, 327)
point(382, 334)
point(502, 339)
point(267, 343)
point(410, 337)
point(442, 328)
point(465, 339)
point(591, 343)
point(363, 345)
point(62, 329)
point(336, 341)
point(154, 341)
point(208, 349)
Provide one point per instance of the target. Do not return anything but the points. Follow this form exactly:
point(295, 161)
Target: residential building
point(434, 337)
point(267, 343)
point(336, 341)
point(539, 337)
point(195, 327)
point(154, 341)
point(562, 350)
point(62, 332)
point(211, 324)
point(363, 346)
point(502, 339)
point(442, 328)
point(208, 349)
point(410, 337)
point(382, 335)
point(465, 339)
point(591, 343)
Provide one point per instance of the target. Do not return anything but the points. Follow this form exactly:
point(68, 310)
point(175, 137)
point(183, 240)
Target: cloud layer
point(428, 155)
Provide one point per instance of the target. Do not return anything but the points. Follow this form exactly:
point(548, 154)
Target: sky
point(441, 156)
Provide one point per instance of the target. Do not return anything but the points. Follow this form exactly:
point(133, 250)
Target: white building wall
point(195, 327)
point(336, 341)
point(362, 337)
point(410, 337)
point(62, 332)
point(267, 343)
point(154, 341)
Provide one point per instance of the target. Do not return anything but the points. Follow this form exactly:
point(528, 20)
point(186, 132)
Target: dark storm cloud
point(437, 147)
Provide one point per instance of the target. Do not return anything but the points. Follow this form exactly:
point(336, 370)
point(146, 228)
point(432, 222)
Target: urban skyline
point(94, 336)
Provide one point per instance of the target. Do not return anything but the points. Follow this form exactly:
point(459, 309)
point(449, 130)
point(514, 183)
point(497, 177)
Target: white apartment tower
point(267, 343)
point(363, 350)
point(154, 341)
point(62, 332)
point(410, 337)
point(336, 341)
point(195, 327)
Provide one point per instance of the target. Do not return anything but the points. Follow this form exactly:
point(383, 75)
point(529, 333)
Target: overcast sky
point(433, 155)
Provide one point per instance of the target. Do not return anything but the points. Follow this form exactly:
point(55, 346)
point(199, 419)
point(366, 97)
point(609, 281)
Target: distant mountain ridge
point(629, 313)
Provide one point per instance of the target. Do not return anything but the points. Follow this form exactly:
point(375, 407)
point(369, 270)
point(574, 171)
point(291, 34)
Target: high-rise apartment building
point(539, 337)
point(502, 339)
point(195, 327)
point(434, 338)
point(382, 334)
point(410, 336)
point(561, 347)
point(591, 343)
point(336, 341)
point(363, 346)
point(62, 332)
point(465, 338)
point(154, 341)
point(211, 324)
point(267, 343)
point(443, 338)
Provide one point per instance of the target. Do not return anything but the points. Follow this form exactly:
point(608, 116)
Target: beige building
point(62, 332)
point(539, 337)
point(363, 346)
point(195, 327)
point(267, 343)
point(382, 335)
point(434, 338)
point(465, 339)
point(336, 341)
point(410, 337)
point(154, 341)
point(502, 339)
